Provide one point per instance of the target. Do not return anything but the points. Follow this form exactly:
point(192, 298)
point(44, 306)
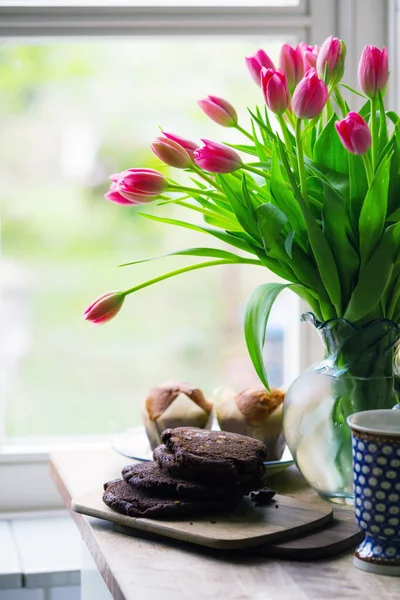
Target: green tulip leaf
point(329, 150)
point(204, 252)
point(284, 198)
point(271, 222)
point(373, 212)
point(289, 243)
point(232, 238)
point(241, 204)
point(358, 188)
point(257, 311)
point(319, 245)
point(375, 276)
point(394, 180)
point(243, 148)
point(261, 151)
point(338, 238)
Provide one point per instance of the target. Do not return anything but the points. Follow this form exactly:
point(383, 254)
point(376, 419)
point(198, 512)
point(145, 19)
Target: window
point(68, 128)
point(70, 115)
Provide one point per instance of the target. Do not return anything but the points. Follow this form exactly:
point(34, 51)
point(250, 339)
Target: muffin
point(254, 412)
point(174, 404)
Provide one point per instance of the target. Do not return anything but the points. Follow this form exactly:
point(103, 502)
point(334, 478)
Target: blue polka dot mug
point(376, 472)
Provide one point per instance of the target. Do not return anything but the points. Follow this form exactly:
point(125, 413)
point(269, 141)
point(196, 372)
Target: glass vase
point(359, 372)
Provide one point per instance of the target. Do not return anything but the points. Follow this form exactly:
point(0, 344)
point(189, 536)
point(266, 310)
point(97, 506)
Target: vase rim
point(309, 317)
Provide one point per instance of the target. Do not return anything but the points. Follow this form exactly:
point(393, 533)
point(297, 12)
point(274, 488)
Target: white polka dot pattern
point(377, 499)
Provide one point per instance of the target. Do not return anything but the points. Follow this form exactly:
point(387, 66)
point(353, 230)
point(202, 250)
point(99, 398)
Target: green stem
point(290, 116)
point(206, 177)
point(288, 141)
point(264, 174)
point(374, 134)
point(329, 110)
point(300, 160)
point(189, 190)
point(211, 263)
point(222, 214)
point(340, 101)
point(246, 133)
point(285, 132)
point(368, 168)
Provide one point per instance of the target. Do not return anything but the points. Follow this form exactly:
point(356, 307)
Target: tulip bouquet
point(312, 192)
point(316, 201)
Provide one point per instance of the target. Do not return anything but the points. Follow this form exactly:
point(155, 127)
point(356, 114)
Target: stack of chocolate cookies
point(194, 471)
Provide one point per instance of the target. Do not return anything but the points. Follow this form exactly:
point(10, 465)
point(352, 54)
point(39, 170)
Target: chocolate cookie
point(197, 454)
point(149, 478)
point(185, 470)
point(125, 499)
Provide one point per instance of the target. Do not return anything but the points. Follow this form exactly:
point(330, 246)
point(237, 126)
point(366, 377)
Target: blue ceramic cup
point(376, 472)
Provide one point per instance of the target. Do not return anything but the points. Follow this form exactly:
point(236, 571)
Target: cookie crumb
point(263, 496)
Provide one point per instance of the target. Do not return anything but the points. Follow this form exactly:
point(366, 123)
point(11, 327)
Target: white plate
point(133, 443)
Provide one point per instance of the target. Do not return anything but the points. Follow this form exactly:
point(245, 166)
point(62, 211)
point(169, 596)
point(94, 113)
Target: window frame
point(22, 19)
point(310, 20)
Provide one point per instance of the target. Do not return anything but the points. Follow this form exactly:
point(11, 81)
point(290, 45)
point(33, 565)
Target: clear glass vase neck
point(362, 350)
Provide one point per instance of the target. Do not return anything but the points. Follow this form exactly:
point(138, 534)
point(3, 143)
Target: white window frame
point(311, 20)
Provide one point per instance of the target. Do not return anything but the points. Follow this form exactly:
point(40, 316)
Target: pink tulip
point(171, 153)
point(138, 185)
point(310, 96)
point(291, 63)
point(104, 308)
point(256, 62)
point(310, 54)
point(114, 196)
point(331, 59)
point(219, 110)
point(188, 145)
point(217, 158)
point(354, 133)
point(373, 70)
point(275, 89)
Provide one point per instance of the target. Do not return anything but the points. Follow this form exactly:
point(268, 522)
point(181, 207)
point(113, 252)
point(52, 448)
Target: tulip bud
point(373, 70)
point(171, 153)
point(310, 54)
point(291, 63)
point(275, 89)
point(189, 146)
point(104, 308)
point(114, 196)
point(330, 61)
point(219, 110)
point(138, 185)
point(217, 158)
point(256, 62)
point(310, 96)
point(354, 133)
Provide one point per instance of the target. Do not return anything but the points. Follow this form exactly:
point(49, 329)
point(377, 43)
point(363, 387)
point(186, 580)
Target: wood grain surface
point(149, 569)
point(244, 526)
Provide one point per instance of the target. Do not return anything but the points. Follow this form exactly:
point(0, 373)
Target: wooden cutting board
point(243, 527)
point(340, 535)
